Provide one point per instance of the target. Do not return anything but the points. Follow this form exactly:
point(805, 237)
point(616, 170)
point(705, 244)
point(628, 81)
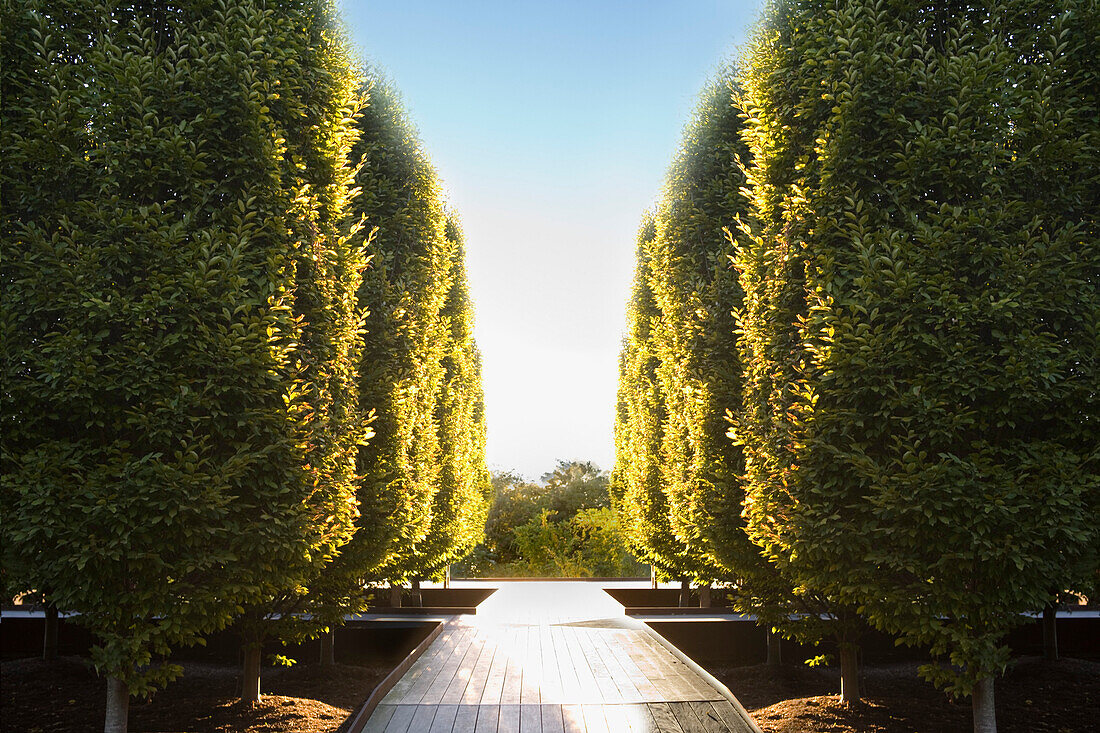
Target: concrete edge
point(387, 683)
point(711, 679)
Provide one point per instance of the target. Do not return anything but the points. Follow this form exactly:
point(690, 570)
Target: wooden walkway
point(552, 658)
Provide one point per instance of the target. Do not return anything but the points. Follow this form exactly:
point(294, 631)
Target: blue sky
point(551, 124)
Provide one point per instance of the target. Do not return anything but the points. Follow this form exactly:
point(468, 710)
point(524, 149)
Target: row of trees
point(239, 375)
point(876, 257)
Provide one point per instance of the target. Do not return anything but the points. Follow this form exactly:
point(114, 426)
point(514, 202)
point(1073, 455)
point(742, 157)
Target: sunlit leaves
point(920, 311)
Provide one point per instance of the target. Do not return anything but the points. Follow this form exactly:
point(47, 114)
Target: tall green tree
point(403, 292)
point(461, 501)
point(697, 291)
point(636, 482)
point(167, 407)
point(319, 99)
point(681, 365)
point(921, 314)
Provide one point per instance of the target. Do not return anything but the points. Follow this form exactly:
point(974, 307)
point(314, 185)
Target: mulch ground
point(65, 696)
point(1035, 696)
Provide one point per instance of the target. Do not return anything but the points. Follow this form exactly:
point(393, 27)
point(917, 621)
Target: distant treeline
point(561, 526)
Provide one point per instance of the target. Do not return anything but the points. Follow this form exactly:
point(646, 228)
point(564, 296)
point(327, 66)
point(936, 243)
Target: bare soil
point(66, 695)
point(1035, 696)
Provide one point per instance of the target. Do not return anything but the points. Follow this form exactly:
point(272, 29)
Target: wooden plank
point(479, 675)
point(553, 720)
point(439, 686)
point(731, 717)
point(531, 676)
point(686, 717)
point(617, 719)
point(609, 691)
point(402, 717)
point(422, 718)
point(509, 719)
point(494, 682)
point(457, 689)
point(595, 721)
point(487, 718)
point(530, 693)
point(624, 673)
point(513, 674)
point(572, 718)
point(379, 719)
point(421, 666)
point(663, 718)
point(588, 688)
point(710, 720)
point(530, 718)
point(567, 672)
point(466, 719)
point(550, 687)
point(431, 666)
point(641, 720)
point(444, 720)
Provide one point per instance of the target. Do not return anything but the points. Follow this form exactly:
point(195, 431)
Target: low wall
point(656, 600)
point(382, 642)
point(450, 601)
point(739, 642)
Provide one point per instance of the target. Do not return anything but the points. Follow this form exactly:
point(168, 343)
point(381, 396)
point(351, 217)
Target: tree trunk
point(985, 715)
point(416, 600)
point(395, 595)
point(849, 674)
point(775, 649)
point(250, 678)
point(328, 648)
point(118, 706)
point(1050, 632)
point(653, 576)
point(447, 577)
point(685, 593)
point(49, 636)
point(704, 596)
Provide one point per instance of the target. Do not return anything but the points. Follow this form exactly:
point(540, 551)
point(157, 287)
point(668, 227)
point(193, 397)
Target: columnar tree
point(636, 482)
point(696, 289)
point(319, 98)
point(403, 291)
point(921, 313)
point(164, 403)
point(696, 295)
point(461, 501)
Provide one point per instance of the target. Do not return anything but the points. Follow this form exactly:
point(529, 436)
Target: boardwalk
point(552, 658)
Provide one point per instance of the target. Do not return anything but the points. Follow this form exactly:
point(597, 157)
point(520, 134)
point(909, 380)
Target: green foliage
point(401, 374)
point(587, 544)
point(422, 482)
point(321, 95)
point(563, 527)
point(678, 479)
point(177, 419)
point(641, 417)
point(573, 486)
point(696, 290)
point(460, 504)
point(922, 311)
point(515, 502)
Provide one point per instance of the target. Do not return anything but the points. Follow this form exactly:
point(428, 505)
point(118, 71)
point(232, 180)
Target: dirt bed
point(67, 696)
point(1035, 696)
